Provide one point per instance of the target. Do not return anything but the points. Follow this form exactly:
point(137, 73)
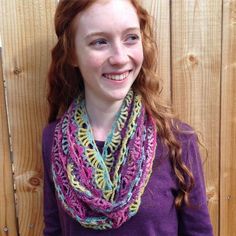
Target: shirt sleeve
point(194, 220)
point(52, 225)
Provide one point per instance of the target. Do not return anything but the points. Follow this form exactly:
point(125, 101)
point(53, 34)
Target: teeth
point(117, 77)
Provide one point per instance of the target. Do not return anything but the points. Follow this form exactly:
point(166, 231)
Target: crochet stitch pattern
point(102, 191)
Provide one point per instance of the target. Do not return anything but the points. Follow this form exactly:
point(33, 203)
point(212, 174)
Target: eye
point(132, 38)
point(98, 43)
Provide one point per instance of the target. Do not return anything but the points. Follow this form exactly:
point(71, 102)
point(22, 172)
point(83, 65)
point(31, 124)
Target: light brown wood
point(27, 37)
point(7, 203)
point(228, 122)
point(196, 53)
point(160, 11)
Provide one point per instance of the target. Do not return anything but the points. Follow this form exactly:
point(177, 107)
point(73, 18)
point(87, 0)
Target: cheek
point(137, 55)
point(92, 61)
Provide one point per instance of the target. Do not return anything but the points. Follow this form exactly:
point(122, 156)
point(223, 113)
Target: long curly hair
point(66, 83)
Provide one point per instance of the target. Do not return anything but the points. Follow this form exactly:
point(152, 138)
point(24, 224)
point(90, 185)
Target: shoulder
point(188, 139)
point(47, 137)
point(184, 133)
point(185, 136)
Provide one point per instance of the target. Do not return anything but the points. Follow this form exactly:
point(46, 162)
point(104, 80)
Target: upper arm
point(51, 214)
point(194, 220)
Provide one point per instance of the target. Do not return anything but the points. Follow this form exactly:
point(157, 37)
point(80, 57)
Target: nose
point(118, 54)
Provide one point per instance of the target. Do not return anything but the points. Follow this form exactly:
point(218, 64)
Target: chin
point(118, 96)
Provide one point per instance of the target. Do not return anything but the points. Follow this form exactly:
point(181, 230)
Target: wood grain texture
point(228, 122)
point(196, 63)
point(7, 203)
point(160, 11)
point(27, 37)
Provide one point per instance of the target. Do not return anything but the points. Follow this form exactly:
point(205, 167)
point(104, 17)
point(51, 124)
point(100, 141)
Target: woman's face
point(108, 48)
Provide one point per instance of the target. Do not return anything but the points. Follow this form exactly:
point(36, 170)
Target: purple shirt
point(157, 215)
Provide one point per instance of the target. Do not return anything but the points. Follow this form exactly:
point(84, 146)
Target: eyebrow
point(107, 33)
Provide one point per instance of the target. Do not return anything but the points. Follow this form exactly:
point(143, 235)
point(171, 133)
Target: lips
point(117, 76)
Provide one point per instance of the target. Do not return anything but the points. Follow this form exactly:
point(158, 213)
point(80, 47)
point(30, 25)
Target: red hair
point(65, 80)
point(66, 83)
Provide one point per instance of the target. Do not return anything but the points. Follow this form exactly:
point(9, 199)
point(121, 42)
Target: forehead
point(107, 15)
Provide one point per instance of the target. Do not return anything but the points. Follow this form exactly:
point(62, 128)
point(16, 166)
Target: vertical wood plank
point(196, 57)
point(228, 122)
point(7, 203)
point(160, 10)
point(27, 38)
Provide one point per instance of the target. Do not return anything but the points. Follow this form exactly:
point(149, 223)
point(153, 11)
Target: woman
point(116, 161)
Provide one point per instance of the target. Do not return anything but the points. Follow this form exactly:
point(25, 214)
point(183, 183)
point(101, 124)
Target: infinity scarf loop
point(103, 190)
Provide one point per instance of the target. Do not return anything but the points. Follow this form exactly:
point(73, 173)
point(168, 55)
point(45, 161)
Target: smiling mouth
point(117, 77)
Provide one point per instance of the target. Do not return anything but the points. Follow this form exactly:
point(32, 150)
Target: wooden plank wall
point(228, 122)
point(197, 62)
point(27, 37)
point(160, 10)
point(7, 203)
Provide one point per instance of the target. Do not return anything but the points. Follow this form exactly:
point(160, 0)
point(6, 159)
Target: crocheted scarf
point(103, 190)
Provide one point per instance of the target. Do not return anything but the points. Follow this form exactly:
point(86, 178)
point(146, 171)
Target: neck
point(101, 116)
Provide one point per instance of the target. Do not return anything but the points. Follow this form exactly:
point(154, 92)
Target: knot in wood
point(17, 71)
point(34, 181)
point(193, 59)
point(210, 195)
